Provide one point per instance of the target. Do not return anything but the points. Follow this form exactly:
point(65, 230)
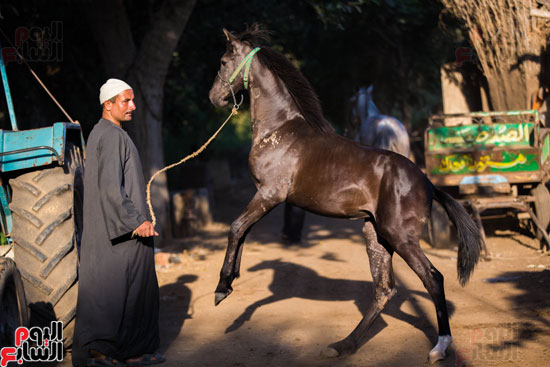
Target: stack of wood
point(190, 201)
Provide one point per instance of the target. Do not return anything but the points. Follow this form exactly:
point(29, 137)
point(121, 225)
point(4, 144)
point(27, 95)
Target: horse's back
point(330, 178)
point(349, 175)
point(394, 183)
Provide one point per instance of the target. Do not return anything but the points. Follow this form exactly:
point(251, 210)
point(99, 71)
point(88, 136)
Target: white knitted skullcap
point(111, 88)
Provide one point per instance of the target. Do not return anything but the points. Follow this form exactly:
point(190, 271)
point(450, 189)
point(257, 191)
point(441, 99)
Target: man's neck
point(109, 118)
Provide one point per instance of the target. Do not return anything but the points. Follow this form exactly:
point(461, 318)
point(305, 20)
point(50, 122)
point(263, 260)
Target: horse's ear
point(233, 43)
point(370, 88)
point(228, 35)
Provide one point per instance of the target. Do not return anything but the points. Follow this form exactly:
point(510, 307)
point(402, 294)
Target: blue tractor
point(41, 173)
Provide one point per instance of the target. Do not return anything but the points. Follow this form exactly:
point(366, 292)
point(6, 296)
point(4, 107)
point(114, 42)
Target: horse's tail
point(470, 240)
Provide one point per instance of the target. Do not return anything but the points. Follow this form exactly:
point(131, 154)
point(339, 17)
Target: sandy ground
point(292, 301)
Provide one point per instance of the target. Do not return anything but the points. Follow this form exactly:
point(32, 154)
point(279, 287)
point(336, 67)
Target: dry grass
point(508, 41)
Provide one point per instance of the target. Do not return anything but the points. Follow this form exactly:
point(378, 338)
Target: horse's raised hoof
point(438, 352)
point(220, 296)
point(329, 352)
point(341, 348)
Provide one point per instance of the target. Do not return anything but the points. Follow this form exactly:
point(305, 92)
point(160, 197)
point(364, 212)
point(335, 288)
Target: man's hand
point(146, 229)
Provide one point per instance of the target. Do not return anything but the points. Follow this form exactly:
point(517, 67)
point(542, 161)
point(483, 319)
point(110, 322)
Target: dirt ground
point(292, 301)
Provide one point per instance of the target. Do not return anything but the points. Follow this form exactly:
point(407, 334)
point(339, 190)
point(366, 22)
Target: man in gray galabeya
point(118, 296)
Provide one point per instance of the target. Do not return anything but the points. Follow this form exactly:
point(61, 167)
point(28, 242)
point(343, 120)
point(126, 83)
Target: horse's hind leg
point(380, 259)
point(433, 282)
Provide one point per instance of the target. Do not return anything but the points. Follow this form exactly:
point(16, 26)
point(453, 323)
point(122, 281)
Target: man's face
point(123, 107)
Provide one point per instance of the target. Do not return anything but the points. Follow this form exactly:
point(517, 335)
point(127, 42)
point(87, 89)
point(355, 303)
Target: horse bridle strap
point(246, 61)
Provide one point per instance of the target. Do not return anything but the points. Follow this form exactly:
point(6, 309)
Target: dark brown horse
point(297, 157)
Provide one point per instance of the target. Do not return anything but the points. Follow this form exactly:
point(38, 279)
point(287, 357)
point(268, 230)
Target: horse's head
point(361, 106)
point(230, 81)
point(367, 91)
point(364, 104)
point(364, 97)
point(354, 115)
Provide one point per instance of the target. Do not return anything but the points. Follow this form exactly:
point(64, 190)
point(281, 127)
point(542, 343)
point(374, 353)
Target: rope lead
point(234, 111)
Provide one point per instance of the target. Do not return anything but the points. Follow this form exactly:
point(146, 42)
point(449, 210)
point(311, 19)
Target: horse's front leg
point(257, 208)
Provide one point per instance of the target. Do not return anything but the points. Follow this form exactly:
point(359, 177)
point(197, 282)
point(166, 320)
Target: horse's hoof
point(329, 352)
point(343, 347)
point(438, 352)
point(436, 356)
point(219, 296)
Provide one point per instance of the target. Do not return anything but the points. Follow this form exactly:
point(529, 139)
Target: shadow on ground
point(259, 348)
point(175, 301)
point(533, 303)
point(250, 347)
point(501, 342)
point(312, 286)
point(509, 227)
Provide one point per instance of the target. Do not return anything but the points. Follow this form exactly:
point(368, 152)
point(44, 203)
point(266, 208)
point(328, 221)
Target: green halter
point(247, 60)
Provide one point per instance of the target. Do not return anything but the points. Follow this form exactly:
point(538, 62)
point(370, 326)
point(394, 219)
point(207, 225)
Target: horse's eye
point(223, 63)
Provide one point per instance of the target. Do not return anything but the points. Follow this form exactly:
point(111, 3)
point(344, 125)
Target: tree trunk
point(512, 89)
point(145, 70)
point(509, 42)
point(453, 90)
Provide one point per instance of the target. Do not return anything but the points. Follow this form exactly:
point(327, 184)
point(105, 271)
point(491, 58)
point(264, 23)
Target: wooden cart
point(490, 161)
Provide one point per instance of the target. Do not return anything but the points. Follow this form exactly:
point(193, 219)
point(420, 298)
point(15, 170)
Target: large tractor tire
point(47, 223)
point(13, 305)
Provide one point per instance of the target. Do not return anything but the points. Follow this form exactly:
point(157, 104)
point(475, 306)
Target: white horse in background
point(376, 130)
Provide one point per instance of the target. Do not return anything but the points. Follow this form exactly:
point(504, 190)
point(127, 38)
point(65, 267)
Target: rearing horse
point(297, 157)
point(376, 130)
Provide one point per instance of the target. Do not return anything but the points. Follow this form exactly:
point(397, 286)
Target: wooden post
point(452, 90)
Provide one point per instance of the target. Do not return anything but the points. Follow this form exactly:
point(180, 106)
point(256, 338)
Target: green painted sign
point(484, 162)
point(456, 137)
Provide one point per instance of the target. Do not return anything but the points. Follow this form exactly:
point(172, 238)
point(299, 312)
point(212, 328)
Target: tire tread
point(46, 254)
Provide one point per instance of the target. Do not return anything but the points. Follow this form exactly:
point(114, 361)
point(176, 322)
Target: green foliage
point(336, 13)
point(3, 239)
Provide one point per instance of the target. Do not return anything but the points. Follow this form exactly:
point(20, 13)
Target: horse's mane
point(297, 85)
